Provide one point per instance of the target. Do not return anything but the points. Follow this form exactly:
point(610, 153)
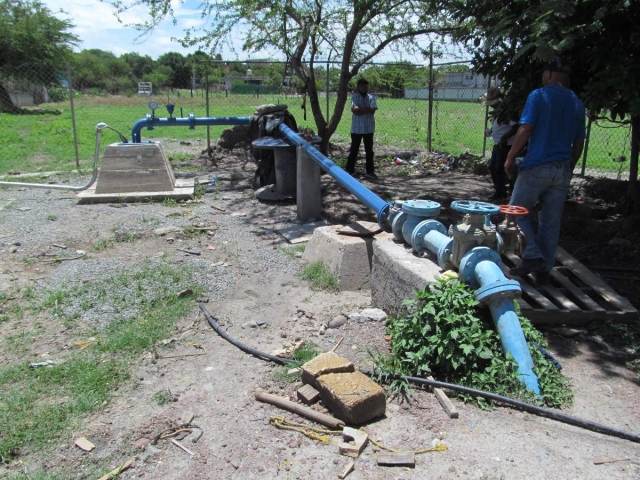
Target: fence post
point(73, 115)
point(586, 148)
point(486, 120)
point(327, 89)
point(206, 94)
point(430, 114)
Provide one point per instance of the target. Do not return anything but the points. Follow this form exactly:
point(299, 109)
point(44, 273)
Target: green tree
point(34, 46)
point(101, 71)
point(601, 38)
point(181, 73)
point(140, 64)
point(354, 31)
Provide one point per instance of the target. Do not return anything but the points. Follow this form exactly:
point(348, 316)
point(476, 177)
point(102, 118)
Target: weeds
point(292, 251)
point(320, 277)
point(52, 217)
point(163, 397)
point(301, 356)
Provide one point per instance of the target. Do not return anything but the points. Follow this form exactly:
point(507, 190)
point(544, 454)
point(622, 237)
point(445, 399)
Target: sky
point(97, 27)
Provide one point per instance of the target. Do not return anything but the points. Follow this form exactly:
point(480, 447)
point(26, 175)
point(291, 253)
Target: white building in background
point(458, 87)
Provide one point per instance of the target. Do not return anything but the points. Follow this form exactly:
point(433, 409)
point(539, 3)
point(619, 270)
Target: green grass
point(46, 141)
point(293, 250)
point(301, 356)
point(320, 277)
point(40, 406)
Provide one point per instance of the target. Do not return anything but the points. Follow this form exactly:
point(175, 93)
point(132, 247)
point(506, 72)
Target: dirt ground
point(218, 387)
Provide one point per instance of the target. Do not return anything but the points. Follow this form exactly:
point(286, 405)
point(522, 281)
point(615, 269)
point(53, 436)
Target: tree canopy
point(32, 40)
point(307, 32)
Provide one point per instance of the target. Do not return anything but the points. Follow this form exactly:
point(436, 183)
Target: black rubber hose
point(240, 345)
point(545, 412)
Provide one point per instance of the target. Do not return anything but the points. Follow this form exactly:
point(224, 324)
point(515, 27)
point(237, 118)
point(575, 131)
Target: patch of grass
point(383, 365)
point(18, 342)
point(293, 250)
point(52, 217)
point(305, 353)
point(199, 191)
point(163, 397)
point(320, 277)
point(39, 406)
point(170, 202)
point(103, 244)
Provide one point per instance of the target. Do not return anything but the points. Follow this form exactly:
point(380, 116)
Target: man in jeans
point(553, 127)
point(363, 124)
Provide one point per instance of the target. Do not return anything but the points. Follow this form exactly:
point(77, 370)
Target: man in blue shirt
point(553, 127)
point(363, 124)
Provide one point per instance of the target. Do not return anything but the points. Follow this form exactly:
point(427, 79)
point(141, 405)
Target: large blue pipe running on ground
point(191, 121)
point(362, 193)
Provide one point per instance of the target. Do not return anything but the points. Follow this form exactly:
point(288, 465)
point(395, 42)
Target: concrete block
point(135, 167)
point(324, 363)
point(396, 273)
point(352, 397)
point(350, 257)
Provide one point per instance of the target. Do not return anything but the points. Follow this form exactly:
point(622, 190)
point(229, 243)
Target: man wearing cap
point(502, 134)
point(553, 126)
point(363, 107)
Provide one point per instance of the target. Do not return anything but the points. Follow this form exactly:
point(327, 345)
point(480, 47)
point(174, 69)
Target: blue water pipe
point(362, 193)
point(191, 121)
point(480, 268)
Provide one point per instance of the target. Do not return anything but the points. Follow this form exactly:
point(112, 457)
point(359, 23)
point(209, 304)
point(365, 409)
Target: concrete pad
point(328, 362)
point(90, 196)
point(352, 397)
point(350, 257)
point(396, 273)
point(301, 233)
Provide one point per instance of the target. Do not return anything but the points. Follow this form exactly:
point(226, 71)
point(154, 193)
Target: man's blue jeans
point(548, 182)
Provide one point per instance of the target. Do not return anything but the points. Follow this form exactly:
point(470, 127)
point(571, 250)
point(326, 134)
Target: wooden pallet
point(574, 297)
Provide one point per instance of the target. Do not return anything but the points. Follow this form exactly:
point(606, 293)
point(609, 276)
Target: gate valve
point(514, 240)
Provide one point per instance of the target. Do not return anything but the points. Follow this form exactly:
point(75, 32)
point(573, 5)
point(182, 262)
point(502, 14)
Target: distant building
point(249, 79)
point(458, 87)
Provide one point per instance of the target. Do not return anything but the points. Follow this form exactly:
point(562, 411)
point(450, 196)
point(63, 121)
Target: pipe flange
point(383, 217)
point(444, 255)
point(192, 121)
point(421, 231)
point(498, 290)
point(396, 226)
point(475, 208)
point(472, 258)
point(149, 119)
point(421, 208)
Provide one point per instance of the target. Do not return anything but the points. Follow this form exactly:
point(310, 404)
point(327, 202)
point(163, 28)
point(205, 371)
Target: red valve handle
point(513, 210)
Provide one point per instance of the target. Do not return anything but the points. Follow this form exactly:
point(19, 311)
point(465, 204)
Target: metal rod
point(73, 115)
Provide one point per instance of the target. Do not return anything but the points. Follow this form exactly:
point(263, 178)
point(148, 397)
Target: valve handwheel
point(513, 210)
point(474, 208)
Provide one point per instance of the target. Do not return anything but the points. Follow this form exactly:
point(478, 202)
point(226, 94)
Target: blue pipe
point(191, 121)
point(362, 193)
point(480, 268)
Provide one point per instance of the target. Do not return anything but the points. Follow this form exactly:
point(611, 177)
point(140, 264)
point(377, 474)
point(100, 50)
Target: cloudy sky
point(97, 27)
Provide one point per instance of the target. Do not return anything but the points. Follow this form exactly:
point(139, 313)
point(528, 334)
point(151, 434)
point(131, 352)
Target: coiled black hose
point(544, 412)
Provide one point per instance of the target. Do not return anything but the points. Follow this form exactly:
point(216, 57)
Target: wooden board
point(575, 296)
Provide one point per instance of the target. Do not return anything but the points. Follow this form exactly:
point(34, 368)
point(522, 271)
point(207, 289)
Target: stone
point(337, 321)
point(352, 397)
point(355, 317)
point(141, 443)
point(619, 242)
point(374, 314)
point(323, 364)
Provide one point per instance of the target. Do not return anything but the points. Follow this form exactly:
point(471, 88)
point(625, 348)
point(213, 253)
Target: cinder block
point(324, 363)
point(396, 274)
point(349, 256)
point(352, 397)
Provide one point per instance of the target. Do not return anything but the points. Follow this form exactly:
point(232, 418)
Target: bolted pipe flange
point(471, 259)
point(421, 231)
point(421, 208)
point(444, 255)
point(498, 291)
point(472, 207)
point(397, 224)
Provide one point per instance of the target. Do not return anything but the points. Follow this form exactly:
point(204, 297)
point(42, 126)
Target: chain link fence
point(420, 107)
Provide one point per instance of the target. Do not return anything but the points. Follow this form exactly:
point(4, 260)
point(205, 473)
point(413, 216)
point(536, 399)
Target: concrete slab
point(350, 257)
point(396, 273)
point(301, 233)
point(90, 196)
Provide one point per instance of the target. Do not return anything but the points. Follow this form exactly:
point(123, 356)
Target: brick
point(323, 364)
point(308, 395)
point(352, 397)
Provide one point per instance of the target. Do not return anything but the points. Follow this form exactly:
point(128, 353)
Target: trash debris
point(84, 444)
point(218, 208)
point(85, 343)
point(396, 459)
point(314, 433)
point(601, 461)
point(184, 293)
point(179, 445)
point(359, 439)
point(347, 470)
point(48, 363)
point(190, 252)
point(183, 427)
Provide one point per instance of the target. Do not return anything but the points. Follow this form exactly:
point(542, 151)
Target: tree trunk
point(6, 104)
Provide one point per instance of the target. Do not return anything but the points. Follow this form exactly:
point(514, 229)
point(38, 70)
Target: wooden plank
point(530, 291)
point(396, 459)
point(559, 297)
point(446, 404)
point(580, 296)
point(594, 281)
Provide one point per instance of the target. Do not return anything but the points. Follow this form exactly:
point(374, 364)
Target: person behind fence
point(363, 125)
point(553, 126)
point(502, 134)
